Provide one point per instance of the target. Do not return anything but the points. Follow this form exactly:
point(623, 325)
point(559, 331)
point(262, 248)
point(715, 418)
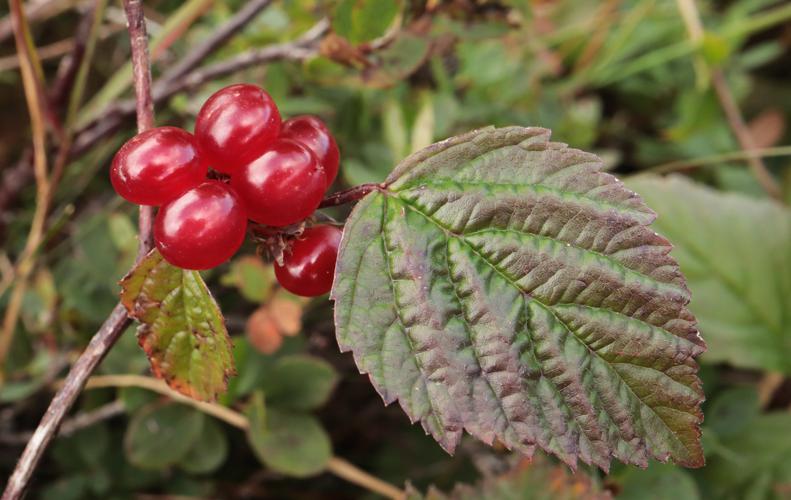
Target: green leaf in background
point(398, 60)
point(503, 285)
point(657, 482)
point(182, 330)
point(294, 444)
point(253, 279)
point(757, 464)
point(363, 20)
point(209, 452)
point(161, 435)
point(732, 411)
point(299, 382)
point(735, 252)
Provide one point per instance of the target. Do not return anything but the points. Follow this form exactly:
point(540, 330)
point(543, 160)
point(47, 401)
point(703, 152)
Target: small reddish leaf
point(182, 329)
point(536, 478)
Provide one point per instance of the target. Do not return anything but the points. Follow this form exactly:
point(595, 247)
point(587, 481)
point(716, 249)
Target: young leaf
point(502, 284)
point(299, 382)
point(290, 443)
point(209, 452)
point(162, 434)
point(182, 330)
point(734, 250)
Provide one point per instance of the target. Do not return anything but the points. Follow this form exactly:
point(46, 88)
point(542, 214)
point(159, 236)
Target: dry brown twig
point(691, 16)
point(36, 104)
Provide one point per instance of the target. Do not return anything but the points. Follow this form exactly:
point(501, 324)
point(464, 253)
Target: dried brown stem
point(117, 322)
point(691, 16)
point(36, 110)
point(141, 71)
point(77, 423)
point(100, 344)
point(743, 135)
point(195, 57)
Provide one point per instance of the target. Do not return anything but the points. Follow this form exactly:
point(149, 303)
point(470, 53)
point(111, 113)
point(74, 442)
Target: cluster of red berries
point(278, 173)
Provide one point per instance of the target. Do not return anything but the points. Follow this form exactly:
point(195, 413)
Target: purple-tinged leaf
point(503, 285)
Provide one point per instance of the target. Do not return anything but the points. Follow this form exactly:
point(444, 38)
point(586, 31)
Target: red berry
point(235, 125)
point(309, 267)
point(202, 228)
point(314, 134)
point(157, 165)
point(282, 186)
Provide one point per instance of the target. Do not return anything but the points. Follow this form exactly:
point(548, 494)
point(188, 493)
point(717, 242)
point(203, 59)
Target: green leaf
point(503, 285)
point(161, 435)
point(299, 382)
point(758, 464)
point(735, 252)
point(658, 482)
point(182, 330)
point(209, 452)
point(253, 279)
point(294, 444)
point(733, 411)
point(363, 20)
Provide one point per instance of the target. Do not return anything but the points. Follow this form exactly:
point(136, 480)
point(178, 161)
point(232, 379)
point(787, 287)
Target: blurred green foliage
point(614, 77)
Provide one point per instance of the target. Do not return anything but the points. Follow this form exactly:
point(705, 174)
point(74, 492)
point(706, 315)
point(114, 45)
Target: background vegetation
point(639, 82)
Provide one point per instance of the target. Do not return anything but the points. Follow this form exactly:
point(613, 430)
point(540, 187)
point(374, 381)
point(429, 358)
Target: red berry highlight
point(282, 186)
point(157, 166)
point(235, 125)
point(309, 267)
point(202, 228)
point(313, 133)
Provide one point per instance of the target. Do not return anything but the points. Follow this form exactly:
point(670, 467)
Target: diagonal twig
point(337, 466)
point(69, 427)
point(195, 57)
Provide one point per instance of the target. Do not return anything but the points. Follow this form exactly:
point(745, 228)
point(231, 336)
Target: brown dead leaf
point(767, 128)
point(287, 315)
point(263, 332)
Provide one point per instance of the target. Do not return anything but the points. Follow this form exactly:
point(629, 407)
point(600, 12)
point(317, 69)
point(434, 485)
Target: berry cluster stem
point(350, 195)
point(116, 323)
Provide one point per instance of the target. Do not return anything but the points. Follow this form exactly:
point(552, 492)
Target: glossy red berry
point(282, 186)
point(157, 165)
point(235, 125)
point(314, 134)
point(202, 228)
point(308, 268)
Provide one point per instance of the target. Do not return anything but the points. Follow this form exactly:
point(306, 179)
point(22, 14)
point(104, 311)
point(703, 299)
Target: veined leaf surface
point(503, 285)
point(181, 328)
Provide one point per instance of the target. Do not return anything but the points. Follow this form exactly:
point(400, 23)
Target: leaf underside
point(501, 284)
point(181, 328)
